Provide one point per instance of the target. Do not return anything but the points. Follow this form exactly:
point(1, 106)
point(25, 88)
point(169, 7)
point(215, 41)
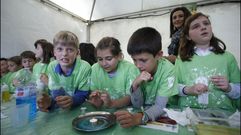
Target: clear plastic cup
point(19, 115)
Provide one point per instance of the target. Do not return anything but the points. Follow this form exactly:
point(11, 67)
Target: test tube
point(83, 110)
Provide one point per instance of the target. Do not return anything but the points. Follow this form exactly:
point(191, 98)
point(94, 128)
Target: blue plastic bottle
point(32, 100)
point(26, 92)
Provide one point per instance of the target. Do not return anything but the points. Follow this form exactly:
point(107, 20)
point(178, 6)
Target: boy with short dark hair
point(28, 60)
point(68, 75)
point(156, 81)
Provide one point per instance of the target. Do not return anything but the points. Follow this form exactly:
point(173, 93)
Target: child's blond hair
point(66, 38)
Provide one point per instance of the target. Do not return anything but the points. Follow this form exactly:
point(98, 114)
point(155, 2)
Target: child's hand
point(221, 82)
point(144, 76)
point(95, 99)
point(64, 102)
point(44, 102)
point(127, 119)
point(196, 89)
point(106, 99)
point(15, 82)
point(44, 78)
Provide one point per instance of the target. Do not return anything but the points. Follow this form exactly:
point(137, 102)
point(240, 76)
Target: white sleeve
point(180, 89)
point(235, 91)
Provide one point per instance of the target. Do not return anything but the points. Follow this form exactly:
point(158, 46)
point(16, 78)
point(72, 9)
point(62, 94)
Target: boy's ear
point(121, 56)
point(159, 54)
point(78, 53)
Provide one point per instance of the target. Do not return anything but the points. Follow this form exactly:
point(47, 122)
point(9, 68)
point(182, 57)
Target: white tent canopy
point(25, 21)
point(93, 10)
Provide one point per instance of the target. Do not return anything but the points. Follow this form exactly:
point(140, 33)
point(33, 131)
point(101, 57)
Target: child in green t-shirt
point(43, 52)
point(28, 60)
point(111, 76)
point(68, 75)
point(154, 84)
point(208, 76)
point(14, 64)
point(4, 67)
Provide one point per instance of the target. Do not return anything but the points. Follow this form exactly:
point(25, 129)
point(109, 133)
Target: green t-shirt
point(7, 79)
point(163, 84)
point(39, 68)
point(199, 70)
point(118, 85)
point(236, 103)
point(78, 80)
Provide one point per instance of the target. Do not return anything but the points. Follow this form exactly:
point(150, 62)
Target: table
point(59, 122)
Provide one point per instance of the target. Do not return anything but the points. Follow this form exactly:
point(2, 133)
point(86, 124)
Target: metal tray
point(83, 122)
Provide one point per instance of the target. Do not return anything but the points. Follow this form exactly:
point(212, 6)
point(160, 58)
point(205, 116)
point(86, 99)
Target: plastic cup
point(19, 115)
point(6, 96)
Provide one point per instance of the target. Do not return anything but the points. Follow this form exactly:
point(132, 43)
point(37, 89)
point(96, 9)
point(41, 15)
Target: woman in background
point(177, 20)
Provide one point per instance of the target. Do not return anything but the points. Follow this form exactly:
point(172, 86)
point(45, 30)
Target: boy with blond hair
point(68, 75)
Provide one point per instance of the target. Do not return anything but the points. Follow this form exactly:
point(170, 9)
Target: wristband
point(184, 91)
point(144, 119)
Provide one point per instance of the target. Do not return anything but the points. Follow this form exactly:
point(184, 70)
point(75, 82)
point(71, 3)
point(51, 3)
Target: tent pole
point(89, 22)
point(88, 33)
point(92, 10)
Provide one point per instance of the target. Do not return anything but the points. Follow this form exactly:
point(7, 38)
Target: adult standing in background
point(177, 20)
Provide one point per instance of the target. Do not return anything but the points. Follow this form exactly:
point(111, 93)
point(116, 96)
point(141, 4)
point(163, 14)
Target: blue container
point(27, 95)
point(33, 107)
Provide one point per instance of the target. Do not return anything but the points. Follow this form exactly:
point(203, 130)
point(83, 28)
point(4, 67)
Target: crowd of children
point(203, 75)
